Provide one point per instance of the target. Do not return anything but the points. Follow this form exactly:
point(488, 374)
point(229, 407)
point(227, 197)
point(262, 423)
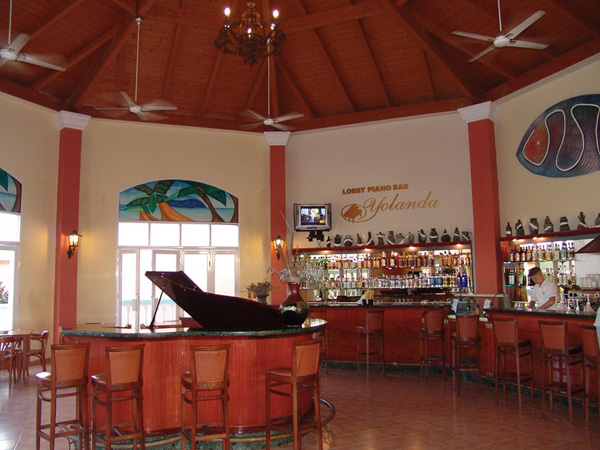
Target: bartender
point(545, 292)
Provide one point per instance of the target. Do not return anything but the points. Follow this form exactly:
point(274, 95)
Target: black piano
point(213, 311)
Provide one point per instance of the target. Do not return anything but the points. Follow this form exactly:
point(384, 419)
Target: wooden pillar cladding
point(487, 259)
point(277, 142)
point(71, 126)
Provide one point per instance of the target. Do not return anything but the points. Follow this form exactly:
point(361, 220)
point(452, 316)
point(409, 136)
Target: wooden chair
point(466, 339)
point(591, 359)
point(11, 356)
point(322, 335)
point(507, 343)
point(558, 357)
point(68, 378)
point(373, 331)
point(302, 377)
point(37, 352)
point(122, 382)
point(207, 381)
point(432, 331)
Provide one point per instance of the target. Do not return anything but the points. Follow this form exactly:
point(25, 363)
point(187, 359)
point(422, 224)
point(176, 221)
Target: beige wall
point(523, 194)
point(29, 152)
point(429, 153)
point(119, 155)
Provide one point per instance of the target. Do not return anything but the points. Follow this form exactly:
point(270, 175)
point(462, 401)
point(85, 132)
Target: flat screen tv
point(312, 216)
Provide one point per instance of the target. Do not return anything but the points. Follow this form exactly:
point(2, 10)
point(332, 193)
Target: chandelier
point(256, 39)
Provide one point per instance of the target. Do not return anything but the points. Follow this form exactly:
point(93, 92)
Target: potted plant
point(260, 290)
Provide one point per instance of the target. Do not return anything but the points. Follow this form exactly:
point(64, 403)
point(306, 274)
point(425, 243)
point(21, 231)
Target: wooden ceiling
point(345, 61)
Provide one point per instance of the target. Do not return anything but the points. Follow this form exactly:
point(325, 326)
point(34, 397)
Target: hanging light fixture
point(255, 40)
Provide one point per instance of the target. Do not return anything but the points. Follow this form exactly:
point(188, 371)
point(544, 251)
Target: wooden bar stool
point(121, 382)
point(302, 377)
point(507, 343)
point(207, 381)
point(68, 378)
point(322, 335)
point(433, 330)
point(466, 338)
point(373, 331)
point(39, 352)
point(558, 357)
point(591, 359)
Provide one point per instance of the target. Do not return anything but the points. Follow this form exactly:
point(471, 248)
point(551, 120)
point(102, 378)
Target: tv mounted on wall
point(312, 216)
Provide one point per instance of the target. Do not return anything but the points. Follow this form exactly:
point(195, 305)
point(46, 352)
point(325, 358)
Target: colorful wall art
point(10, 193)
point(564, 141)
point(178, 201)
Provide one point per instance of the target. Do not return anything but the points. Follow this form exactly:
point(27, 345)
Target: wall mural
point(564, 141)
point(10, 193)
point(178, 201)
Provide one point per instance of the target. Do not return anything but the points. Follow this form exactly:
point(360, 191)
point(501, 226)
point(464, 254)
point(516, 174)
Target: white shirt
point(542, 293)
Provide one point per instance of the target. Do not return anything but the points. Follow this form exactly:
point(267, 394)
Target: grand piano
point(213, 311)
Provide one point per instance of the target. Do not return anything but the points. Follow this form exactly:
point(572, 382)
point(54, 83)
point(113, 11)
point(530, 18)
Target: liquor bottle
point(508, 229)
point(534, 253)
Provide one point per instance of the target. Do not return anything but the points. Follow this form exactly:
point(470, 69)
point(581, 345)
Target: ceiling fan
point(269, 121)
point(146, 111)
point(12, 51)
point(508, 39)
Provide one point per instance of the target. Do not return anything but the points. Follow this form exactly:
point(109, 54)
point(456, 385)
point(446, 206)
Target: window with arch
point(10, 240)
point(171, 225)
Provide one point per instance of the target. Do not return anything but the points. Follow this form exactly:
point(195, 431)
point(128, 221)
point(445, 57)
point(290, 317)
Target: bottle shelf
point(579, 234)
point(405, 247)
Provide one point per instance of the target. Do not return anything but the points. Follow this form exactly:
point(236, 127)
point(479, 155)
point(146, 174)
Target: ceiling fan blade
point(253, 115)
point(113, 109)
point(526, 44)
point(482, 53)
point(154, 117)
point(281, 127)
point(17, 45)
point(524, 25)
point(481, 37)
point(288, 116)
point(38, 61)
point(141, 115)
point(158, 105)
point(128, 99)
point(250, 126)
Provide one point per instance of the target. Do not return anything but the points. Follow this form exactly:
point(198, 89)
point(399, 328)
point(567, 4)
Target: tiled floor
point(401, 411)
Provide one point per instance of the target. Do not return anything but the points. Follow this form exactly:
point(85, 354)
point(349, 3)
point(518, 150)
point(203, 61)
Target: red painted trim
point(486, 208)
point(278, 211)
point(67, 220)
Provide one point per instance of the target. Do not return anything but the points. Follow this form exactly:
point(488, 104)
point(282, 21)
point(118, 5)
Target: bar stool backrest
point(124, 367)
point(589, 340)
point(305, 358)
point(374, 321)
point(434, 321)
point(69, 364)
point(554, 336)
point(467, 326)
point(505, 331)
point(210, 365)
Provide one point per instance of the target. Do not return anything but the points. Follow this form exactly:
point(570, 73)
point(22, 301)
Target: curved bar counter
point(166, 357)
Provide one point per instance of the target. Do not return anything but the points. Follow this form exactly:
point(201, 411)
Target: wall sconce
point(278, 246)
point(74, 239)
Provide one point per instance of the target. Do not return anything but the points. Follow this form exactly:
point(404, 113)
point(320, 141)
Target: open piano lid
point(213, 311)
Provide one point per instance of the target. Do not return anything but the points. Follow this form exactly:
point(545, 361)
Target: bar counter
point(166, 357)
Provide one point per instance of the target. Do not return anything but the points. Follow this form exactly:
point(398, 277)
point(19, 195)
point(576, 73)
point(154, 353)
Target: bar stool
point(322, 335)
point(40, 353)
point(433, 330)
point(507, 343)
point(465, 339)
point(372, 331)
point(558, 357)
point(11, 354)
point(303, 377)
point(591, 358)
point(68, 378)
point(121, 382)
point(207, 381)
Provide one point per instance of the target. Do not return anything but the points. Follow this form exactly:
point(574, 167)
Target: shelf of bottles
point(352, 273)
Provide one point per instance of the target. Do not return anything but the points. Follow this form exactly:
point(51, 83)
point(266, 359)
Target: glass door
point(8, 258)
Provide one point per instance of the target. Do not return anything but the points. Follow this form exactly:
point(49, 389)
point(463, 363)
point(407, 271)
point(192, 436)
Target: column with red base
point(487, 258)
point(71, 126)
point(277, 142)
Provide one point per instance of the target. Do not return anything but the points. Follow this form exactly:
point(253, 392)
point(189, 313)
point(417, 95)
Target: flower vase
point(294, 309)
point(262, 299)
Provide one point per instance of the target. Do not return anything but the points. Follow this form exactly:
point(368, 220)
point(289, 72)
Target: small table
point(23, 360)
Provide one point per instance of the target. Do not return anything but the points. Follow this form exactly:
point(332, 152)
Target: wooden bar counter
point(166, 357)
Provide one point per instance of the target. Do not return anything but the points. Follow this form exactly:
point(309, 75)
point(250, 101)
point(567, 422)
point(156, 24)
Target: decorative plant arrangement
point(297, 270)
point(260, 289)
